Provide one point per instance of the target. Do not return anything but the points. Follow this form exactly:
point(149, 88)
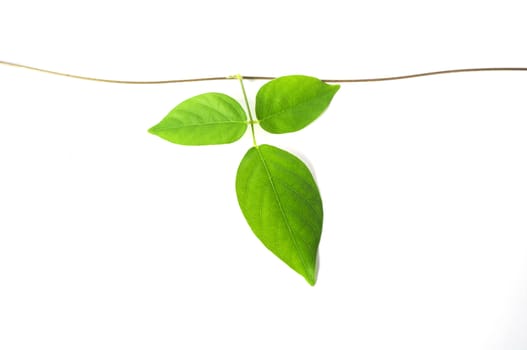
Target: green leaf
point(207, 119)
point(292, 102)
point(281, 202)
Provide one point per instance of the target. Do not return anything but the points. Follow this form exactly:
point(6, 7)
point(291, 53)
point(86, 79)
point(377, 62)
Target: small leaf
point(207, 119)
point(292, 102)
point(281, 202)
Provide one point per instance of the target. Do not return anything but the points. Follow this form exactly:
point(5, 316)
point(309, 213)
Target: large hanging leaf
point(281, 202)
point(290, 103)
point(207, 119)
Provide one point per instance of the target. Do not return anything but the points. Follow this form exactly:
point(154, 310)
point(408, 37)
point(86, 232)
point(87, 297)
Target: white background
point(111, 238)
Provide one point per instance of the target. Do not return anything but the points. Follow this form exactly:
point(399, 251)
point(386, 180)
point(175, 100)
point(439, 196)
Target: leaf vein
point(316, 211)
point(224, 103)
point(304, 102)
point(284, 216)
point(196, 125)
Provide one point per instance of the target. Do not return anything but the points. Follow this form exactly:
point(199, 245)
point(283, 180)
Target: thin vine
point(251, 77)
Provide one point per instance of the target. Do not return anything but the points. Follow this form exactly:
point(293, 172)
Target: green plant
point(276, 191)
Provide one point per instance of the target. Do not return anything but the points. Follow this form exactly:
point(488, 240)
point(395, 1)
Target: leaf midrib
point(201, 124)
point(279, 202)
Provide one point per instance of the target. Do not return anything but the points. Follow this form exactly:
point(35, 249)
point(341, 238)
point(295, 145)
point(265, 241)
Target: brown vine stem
point(249, 77)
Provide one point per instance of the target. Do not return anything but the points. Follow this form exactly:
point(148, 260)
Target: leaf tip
point(152, 130)
point(311, 281)
point(334, 88)
point(311, 275)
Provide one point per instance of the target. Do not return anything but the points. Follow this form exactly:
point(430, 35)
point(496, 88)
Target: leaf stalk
point(251, 119)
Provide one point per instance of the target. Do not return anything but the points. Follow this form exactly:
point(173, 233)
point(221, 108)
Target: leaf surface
point(206, 119)
point(290, 103)
point(281, 202)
